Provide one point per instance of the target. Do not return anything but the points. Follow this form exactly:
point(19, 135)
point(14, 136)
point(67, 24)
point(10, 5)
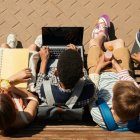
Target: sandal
point(102, 26)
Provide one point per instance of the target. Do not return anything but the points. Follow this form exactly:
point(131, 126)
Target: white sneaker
point(12, 41)
point(38, 41)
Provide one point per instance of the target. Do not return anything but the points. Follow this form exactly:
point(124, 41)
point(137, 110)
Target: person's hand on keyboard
point(72, 46)
point(44, 54)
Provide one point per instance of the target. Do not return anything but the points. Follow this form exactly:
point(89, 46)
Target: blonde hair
point(126, 100)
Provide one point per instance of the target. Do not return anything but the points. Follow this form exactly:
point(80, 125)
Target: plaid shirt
point(85, 98)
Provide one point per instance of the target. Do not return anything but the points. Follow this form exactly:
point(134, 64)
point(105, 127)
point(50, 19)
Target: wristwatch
point(5, 84)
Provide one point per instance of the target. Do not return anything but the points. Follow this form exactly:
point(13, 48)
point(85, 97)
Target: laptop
point(57, 39)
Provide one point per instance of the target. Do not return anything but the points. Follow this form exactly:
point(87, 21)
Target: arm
point(31, 109)
point(123, 74)
point(23, 118)
point(44, 55)
point(29, 112)
point(95, 76)
point(23, 93)
point(101, 65)
point(20, 77)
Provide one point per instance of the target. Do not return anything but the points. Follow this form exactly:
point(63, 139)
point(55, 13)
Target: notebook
point(12, 61)
point(57, 39)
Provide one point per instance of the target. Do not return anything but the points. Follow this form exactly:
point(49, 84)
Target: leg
point(94, 52)
point(33, 47)
point(120, 52)
point(11, 42)
point(99, 35)
point(4, 45)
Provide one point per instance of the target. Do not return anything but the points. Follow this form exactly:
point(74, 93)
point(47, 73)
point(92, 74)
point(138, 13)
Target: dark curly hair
point(7, 111)
point(70, 68)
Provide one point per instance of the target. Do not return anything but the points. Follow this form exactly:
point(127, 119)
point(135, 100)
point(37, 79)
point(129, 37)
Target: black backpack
point(49, 110)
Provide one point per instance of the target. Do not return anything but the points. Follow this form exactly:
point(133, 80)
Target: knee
point(92, 43)
point(4, 45)
point(120, 43)
point(33, 47)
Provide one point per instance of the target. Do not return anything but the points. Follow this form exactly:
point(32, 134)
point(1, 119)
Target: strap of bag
point(107, 115)
point(48, 92)
point(110, 122)
point(73, 99)
point(75, 94)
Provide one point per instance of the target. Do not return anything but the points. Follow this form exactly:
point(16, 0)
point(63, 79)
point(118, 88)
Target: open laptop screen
point(62, 35)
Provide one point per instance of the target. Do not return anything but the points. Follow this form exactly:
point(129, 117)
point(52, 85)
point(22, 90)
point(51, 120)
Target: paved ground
point(26, 17)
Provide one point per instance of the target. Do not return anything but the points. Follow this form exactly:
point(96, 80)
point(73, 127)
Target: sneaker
point(102, 25)
point(12, 41)
point(38, 41)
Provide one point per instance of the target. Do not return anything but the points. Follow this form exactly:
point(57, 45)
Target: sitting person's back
point(63, 81)
point(117, 91)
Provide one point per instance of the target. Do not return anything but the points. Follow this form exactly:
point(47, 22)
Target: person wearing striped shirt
point(112, 79)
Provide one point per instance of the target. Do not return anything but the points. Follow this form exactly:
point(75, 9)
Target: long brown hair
point(126, 100)
point(7, 111)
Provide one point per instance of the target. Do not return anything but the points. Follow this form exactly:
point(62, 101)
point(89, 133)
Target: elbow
point(31, 116)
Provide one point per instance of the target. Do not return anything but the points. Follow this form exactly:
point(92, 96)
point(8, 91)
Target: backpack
point(110, 123)
point(49, 110)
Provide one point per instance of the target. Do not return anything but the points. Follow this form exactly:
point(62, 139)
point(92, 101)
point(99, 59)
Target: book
point(13, 61)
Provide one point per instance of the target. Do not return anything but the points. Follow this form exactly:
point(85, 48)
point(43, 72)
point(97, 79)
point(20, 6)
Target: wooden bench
point(69, 131)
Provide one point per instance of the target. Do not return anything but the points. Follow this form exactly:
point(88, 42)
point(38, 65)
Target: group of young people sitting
point(106, 79)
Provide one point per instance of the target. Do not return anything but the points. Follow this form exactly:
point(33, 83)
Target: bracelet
point(5, 84)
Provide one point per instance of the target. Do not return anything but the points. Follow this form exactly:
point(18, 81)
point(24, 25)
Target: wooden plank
point(68, 131)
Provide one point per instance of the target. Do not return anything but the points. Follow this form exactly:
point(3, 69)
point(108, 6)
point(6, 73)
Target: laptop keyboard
point(54, 53)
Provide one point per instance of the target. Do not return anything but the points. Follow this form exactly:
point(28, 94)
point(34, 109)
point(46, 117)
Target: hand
point(72, 46)
point(136, 56)
point(116, 66)
point(44, 54)
point(101, 64)
point(21, 77)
